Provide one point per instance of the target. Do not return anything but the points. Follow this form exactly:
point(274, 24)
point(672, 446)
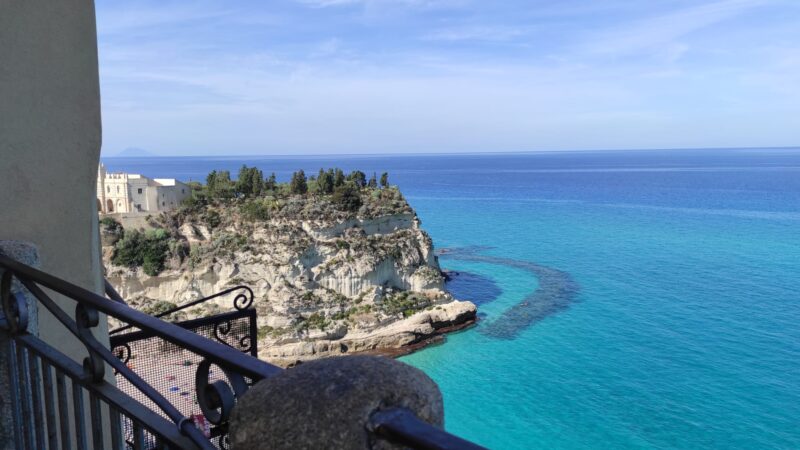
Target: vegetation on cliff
point(328, 256)
point(330, 196)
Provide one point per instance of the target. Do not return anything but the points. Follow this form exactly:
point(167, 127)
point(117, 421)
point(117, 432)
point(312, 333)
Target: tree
point(298, 185)
point(373, 182)
point(219, 184)
point(385, 180)
point(338, 177)
point(211, 180)
point(250, 182)
point(347, 197)
point(325, 182)
point(332, 177)
point(358, 178)
point(271, 183)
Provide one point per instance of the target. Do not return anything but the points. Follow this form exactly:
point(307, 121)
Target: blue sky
point(201, 77)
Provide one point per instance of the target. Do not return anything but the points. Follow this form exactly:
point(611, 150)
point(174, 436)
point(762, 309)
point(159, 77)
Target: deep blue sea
point(681, 328)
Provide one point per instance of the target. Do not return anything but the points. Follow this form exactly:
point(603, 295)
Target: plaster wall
point(50, 145)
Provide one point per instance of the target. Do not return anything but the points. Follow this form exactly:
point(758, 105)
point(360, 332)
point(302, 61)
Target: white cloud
point(205, 77)
point(665, 29)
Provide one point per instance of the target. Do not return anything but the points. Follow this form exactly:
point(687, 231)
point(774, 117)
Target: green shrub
point(347, 197)
point(195, 255)
point(193, 204)
point(212, 218)
point(111, 224)
point(229, 241)
point(256, 210)
point(147, 250)
point(317, 321)
point(158, 307)
point(404, 302)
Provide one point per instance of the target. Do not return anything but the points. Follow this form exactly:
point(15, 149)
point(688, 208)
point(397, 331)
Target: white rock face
point(321, 289)
point(394, 335)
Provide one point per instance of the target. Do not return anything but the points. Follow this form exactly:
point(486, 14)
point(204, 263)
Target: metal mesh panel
point(172, 370)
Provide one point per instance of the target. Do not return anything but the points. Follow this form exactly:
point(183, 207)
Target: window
point(139, 190)
point(183, 191)
point(108, 189)
point(117, 189)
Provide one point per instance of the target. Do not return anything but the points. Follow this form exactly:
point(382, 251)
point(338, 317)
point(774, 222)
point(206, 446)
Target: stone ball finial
point(327, 404)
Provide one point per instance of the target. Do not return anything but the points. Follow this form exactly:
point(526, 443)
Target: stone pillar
point(328, 403)
point(25, 253)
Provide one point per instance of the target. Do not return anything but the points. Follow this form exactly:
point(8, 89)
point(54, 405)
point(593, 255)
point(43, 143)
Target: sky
point(205, 77)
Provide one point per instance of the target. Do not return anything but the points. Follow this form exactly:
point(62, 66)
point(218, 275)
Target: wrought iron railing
point(174, 429)
point(112, 293)
point(50, 390)
point(172, 370)
point(241, 302)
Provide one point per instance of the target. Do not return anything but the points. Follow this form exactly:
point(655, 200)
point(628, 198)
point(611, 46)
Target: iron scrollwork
point(15, 307)
point(123, 352)
point(244, 300)
point(217, 398)
point(224, 328)
point(87, 318)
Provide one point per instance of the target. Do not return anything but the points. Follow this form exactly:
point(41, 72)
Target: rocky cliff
point(326, 281)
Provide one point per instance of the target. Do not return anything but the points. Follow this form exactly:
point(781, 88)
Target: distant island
point(338, 262)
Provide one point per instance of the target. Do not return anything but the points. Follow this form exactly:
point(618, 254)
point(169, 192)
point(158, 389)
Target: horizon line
point(501, 152)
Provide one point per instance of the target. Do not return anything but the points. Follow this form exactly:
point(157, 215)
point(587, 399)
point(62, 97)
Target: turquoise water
point(685, 332)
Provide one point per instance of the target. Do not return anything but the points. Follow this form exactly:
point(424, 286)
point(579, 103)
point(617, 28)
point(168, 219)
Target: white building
point(127, 192)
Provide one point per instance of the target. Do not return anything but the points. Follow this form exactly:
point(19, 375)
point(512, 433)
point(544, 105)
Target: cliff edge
point(330, 276)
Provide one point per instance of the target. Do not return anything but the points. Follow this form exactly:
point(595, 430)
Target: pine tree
point(358, 177)
point(298, 185)
point(271, 183)
point(385, 180)
point(373, 182)
point(338, 177)
point(223, 186)
point(250, 181)
point(325, 182)
point(211, 182)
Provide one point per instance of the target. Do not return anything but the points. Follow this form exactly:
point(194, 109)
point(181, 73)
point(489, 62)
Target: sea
point(627, 299)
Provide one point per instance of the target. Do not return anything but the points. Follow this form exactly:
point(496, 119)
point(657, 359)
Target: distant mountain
point(133, 152)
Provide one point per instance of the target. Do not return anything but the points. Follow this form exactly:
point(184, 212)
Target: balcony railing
point(172, 370)
point(51, 391)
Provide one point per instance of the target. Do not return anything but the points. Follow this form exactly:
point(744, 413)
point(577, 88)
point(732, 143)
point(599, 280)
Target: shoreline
point(439, 336)
point(419, 341)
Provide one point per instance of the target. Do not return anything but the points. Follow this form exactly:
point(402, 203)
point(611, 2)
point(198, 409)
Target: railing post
point(25, 253)
point(329, 403)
